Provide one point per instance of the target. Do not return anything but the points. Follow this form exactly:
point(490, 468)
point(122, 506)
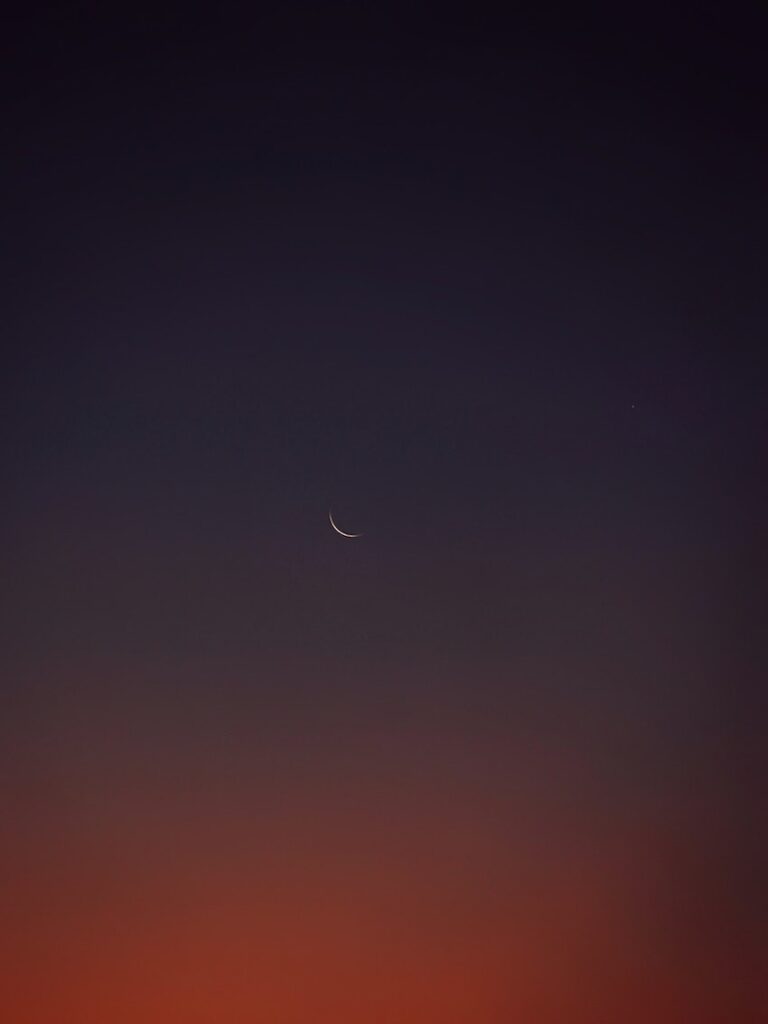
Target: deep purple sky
point(495, 293)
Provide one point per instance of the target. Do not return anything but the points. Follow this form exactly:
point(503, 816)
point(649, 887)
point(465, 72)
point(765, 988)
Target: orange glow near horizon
point(400, 891)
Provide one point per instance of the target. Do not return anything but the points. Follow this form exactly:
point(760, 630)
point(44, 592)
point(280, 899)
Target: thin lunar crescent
point(343, 534)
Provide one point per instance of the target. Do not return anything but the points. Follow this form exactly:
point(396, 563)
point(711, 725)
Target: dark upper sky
point(493, 291)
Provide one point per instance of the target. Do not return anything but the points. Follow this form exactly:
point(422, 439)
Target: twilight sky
point(494, 292)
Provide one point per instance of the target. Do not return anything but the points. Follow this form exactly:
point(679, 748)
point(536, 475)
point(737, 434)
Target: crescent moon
point(330, 519)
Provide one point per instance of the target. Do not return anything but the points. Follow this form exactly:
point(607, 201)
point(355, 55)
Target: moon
point(343, 534)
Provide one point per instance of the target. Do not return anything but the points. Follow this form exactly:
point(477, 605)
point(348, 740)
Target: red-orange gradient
point(151, 879)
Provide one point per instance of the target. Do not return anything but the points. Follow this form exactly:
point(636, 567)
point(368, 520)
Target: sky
point(493, 292)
